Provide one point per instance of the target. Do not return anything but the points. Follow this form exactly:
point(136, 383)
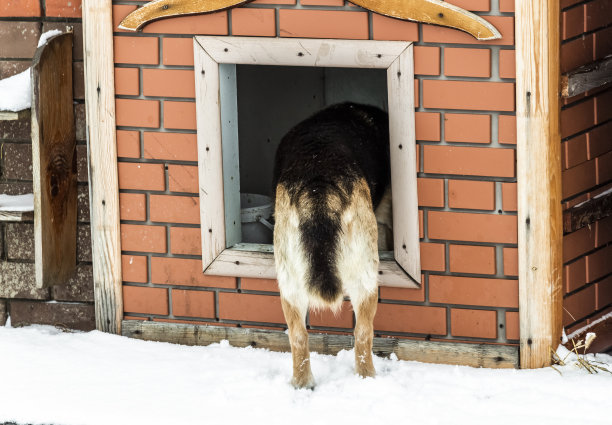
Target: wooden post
point(102, 160)
point(539, 179)
point(54, 162)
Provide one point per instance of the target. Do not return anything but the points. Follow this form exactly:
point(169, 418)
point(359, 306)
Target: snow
point(94, 378)
point(16, 91)
point(17, 202)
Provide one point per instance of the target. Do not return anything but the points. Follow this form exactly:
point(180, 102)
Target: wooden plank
point(435, 12)
point(475, 355)
point(540, 227)
point(210, 155)
point(587, 213)
point(16, 215)
point(587, 78)
point(9, 116)
point(102, 160)
point(402, 140)
point(54, 162)
point(302, 52)
point(228, 91)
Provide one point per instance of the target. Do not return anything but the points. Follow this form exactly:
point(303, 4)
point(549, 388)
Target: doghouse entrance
point(251, 92)
point(271, 100)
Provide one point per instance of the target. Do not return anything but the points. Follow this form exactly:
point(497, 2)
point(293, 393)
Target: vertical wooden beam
point(102, 160)
point(540, 228)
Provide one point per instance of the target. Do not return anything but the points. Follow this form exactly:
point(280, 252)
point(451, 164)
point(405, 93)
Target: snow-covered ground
point(52, 377)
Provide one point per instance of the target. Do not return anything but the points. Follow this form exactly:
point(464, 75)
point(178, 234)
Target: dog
point(332, 195)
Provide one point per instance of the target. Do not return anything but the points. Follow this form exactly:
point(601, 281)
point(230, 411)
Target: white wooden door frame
point(214, 60)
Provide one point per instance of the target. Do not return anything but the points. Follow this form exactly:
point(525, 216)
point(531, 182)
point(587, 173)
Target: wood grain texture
point(540, 227)
point(54, 162)
point(587, 78)
point(16, 216)
point(587, 213)
point(427, 11)
point(102, 160)
point(475, 355)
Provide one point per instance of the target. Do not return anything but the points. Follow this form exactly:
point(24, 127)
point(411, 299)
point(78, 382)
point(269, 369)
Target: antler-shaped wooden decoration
point(427, 11)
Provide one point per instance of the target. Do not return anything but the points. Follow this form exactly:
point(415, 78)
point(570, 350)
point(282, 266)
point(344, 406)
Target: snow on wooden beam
point(427, 11)
point(16, 207)
point(588, 212)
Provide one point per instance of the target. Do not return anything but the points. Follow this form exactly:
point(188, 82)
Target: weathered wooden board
point(587, 78)
point(475, 355)
point(54, 162)
point(16, 215)
point(435, 12)
point(102, 161)
point(540, 226)
point(587, 213)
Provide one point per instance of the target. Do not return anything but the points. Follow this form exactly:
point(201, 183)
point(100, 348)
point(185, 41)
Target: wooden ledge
point(13, 116)
point(587, 77)
point(16, 208)
point(587, 212)
point(456, 353)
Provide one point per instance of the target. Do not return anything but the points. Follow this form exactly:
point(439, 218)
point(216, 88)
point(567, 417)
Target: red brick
point(173, 146)
point(177, 51)
point(573, 22)
point(20, 8)
point(579, 305)
point(180, 115)
point(471, 194)
point(403, 294)
point(137, 50)
point(430, 192)
point(63, 8)
point(507, 129)
point(472, 259)
point(326, 318)
point(473, 291)
point(133, 206)
point(598, 14)
point(512, 325)
point(472, 227)
point(603, 293)
point(254, 22)
point(127, 81)
point(574, 151)
point(186, 272)
point(507, 64)
point(576, 53)
point(249, 307)
point(578, 243)
point(143, 238)
point(137, 112)
point(193, 303)
point(174, 209)
point(426, 60)
point(603, 43)
point(432, 256)
point(577, 118)
point(509, 197)
point(384, 28)
point(274, 2)
point(250, 284)
point(575, 274)
point(168, 82)
point(185, 240)
point(473, 5)
point(598, 263)
point(579, 178)
point(128, 144)
point(183, 178)
point(207, 24)
point(603, 231)
point(599, 140)
point(427, 126)
point(410, 318)
point(473, 323)
point(470, 95)
point(323, 24)
point(141, 176)
point(322, 2)
point(134, 268)
point(505, 25)
point(603, 164)
point(120, 11)
point(510, 261)
point(138, 299)
point(463, 62)
point(468, 128)
point(468, 161)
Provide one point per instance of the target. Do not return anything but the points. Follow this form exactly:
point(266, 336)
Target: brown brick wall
point(586, 125)
point(465, 127)
point(21, 23)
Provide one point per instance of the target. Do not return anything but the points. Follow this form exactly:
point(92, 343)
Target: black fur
point(327, 154)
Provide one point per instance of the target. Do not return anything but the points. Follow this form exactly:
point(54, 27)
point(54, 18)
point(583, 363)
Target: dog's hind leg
point(364, 333)
point(295, 316)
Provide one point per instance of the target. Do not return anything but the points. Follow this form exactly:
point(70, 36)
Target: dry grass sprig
point(591, 366)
